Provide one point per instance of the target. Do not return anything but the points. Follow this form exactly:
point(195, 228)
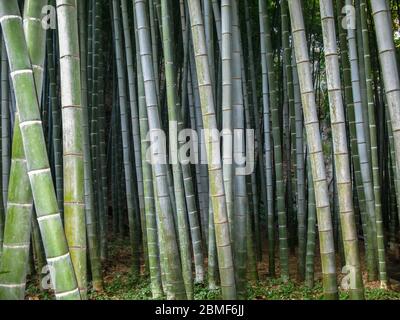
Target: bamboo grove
point(125, 119)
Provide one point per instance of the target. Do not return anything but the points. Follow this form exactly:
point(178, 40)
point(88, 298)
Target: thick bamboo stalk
point(315, 147)
point(217, 193)
point(57, 254)
point(369, 242)
point(390, 74)
point(74, 205)
point(19, 205)
point(365, 163)
point(174, 276)
point(341, 155)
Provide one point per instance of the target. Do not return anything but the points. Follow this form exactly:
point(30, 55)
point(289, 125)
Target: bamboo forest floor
point(120, 285)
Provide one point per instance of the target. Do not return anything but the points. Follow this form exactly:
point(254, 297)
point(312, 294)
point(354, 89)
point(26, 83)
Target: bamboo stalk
point(55, 244)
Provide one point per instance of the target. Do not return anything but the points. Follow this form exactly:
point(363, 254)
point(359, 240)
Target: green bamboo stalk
point(37, 245)
point(127, 156)
point(390, 74)
point(217, 193)
point(254, 111)
point(153, 17)
point(193, 216)
point(91, 219)
point(19, 205)
point(102, 164)
point(174, 119)
point(288, 122)
point(252, 198)
point(56, 118)
point(5, 123)
point(203, 181)
point(135, 120)
point(14, 260)
point(363, 83)
point(372, 127)
point(278, 155)
point(174, 276)
point(363, 152)
point(227, 136)
point(317, 159)
point(212, 261)
point(311, 228)
point(300, 162)
point(240, 210)
point(74, 213)
point(57, 254)
point(267, 138)
point(301, 217)
point(341, 155)
point(148, 191)
point(368, 235)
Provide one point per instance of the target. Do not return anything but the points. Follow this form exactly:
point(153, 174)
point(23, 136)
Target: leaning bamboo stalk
point(217, 193)
point(174, 276)
point(315, 147)
point(174, 119)
point(19, 205)
point(56, 248)
point(188, 182)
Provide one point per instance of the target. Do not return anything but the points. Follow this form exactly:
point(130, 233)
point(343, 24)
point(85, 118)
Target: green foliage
point(124, 287)
point(201, 292)
point(33, 291)
point(275, 289)
point(380, 294)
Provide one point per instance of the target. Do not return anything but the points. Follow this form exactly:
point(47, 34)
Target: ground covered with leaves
point(119, 284)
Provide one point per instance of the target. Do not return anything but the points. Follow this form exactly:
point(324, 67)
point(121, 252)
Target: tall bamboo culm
point(56, 248)
point(315, 148)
